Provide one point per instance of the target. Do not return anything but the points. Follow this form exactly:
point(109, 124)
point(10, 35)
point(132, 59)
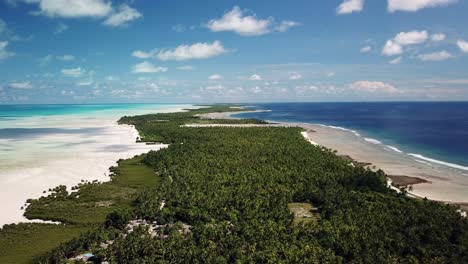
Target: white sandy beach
point(445, 183)
point(82, 148)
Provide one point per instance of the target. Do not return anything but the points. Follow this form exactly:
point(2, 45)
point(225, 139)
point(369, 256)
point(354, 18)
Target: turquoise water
point(13, 111)
point(43, 146)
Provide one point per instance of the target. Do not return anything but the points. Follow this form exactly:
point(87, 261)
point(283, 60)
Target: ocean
point(43, 146)
point(435, 132)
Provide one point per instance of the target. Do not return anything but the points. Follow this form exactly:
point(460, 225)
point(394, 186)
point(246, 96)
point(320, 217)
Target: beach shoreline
point(422, 179)
point(86, 157)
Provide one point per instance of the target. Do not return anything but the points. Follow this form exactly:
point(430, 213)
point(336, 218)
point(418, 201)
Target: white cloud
point(415, 5)
point(194, 51)
point(4, 53)
point(463, 45)
point(215, 77)
point(85, 83)
point(75, 73)
point(255, 77)
point(66, 58)
point(392, 48)
point(21, 85)
point(395, 46)
point(73, 8)
point(295, 76)
point(238, 21)
point(370, 86)
point(365, 49)
point(123, 16)
point(85, 8)
point(411, 37)
point(436, 56)
point(60, 28)
point(350, 6)
point(186, 68)
point(438, 37)
point(235, 20)
point(286, 25)
point(396, 60)
point(147, 67)
point(144, 55)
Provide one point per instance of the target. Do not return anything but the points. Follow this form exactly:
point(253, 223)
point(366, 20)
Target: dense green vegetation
point(234, 187)
point(84, 209)
point(92, 202)
point(23, 242)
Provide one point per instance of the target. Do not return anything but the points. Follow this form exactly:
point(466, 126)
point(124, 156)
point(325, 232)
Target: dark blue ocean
point(435, 130)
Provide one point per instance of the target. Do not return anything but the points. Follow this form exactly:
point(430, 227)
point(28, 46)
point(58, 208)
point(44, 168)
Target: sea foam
point(451, 165)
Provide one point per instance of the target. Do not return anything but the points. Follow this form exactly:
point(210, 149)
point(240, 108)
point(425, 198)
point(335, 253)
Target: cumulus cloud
point(147, 67)
point(411, 37)
point(371, 86)
point(73, 8)
point(392, 48)
point(395, 46)
point(350, 6)
point(436, 56)
point(85, 8)
point(74, 73)
point(396, 60)
point(21, 85)
point(194, 51)
point(144, 55)
point(438, 37)
point(122, 16)
point(295, 76)
point(255, 77)
point(365, 49)
point(4, 53)
point(238, 21)
point(463, 45)
point(215, 77)
point(415, 5)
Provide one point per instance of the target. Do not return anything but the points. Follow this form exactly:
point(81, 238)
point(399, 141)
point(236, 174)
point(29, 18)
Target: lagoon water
point(42, 146)
point(435, 132)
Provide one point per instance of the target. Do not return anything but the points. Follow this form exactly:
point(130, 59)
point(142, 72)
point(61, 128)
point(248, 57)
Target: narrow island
point(235, 191)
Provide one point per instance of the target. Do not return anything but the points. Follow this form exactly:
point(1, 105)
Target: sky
point(184, 51)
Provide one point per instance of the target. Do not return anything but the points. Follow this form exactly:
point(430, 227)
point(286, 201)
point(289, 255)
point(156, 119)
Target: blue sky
point(102, 51)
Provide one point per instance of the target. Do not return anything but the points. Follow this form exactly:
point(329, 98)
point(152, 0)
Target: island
point(235, 191)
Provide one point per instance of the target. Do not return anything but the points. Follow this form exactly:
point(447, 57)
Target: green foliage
point(21, 243)
point(93, 201)
point(118, 219)
point(233, 187)
point(92, 204)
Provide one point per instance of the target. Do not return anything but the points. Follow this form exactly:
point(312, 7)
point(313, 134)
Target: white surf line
point(451, 165)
